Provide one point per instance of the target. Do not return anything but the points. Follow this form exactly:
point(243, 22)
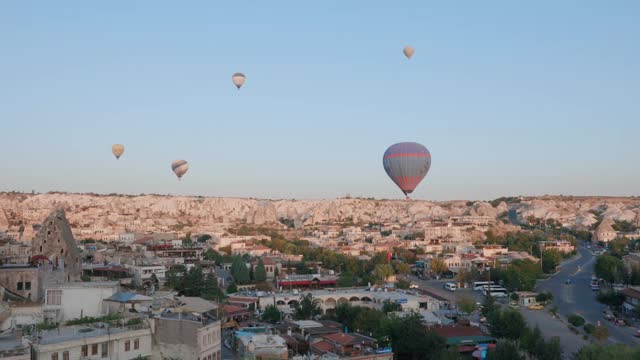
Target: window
point(136, 344)
point(27, 285)
point(85, 350)
point(54, 356)
point(94, 349)
point(105, 350)
point(127, 345)
point(53, 297)
point(19, 286)
point(65, 355)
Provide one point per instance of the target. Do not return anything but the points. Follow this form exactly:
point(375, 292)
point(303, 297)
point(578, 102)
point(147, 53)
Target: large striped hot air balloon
point(117, 150)
point(180, 168)
point(407, 164)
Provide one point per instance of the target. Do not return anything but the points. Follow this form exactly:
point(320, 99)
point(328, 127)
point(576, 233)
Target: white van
point(450, 286)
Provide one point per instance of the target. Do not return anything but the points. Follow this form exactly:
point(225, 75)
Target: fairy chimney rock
point(55, 241)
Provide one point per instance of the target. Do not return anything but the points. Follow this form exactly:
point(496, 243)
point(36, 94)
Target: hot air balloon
point(238, 79)
point(408, 51)
point(180, 168)
point(407, 164)
point(117, 150)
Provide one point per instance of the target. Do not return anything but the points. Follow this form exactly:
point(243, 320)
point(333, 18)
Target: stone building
point(55, 241)
point(22, 280)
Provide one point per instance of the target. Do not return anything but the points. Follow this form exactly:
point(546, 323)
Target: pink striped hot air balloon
point(407, 163)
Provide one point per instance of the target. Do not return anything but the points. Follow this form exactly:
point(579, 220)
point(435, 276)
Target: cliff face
point(96, 215)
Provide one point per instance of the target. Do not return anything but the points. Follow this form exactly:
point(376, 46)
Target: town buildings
point(93, 341)
point(189, 335)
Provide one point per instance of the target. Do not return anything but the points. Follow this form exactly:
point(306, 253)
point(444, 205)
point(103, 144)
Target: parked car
point(413, 286)
point(621, 322)
point(608, 315)
point(536, 307)
point(568, 282)
point(450, 286)
point(637, 334)
point(513, 304)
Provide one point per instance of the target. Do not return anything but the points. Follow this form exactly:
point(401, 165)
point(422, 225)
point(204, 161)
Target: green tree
point(411, 340)
point(390, 306)
point(276, 272)
point(307, 308)
point(271, 314)
point(609, 268)
point(260, 274)
point(176, 277)
point(403, 268)
point(438, 266)
point(194, 282)
point(204, 238)
point(346, 280)
point(552, 350)
point(382, 272)
point(186, 241)
point(239, 271)
point(550, 261)
point(403, 284)
point(505, 350)
point(611, 298)
point(346, 314)
point(601, 333)
point(232, 288)
point(370, 322)
point(155, 281)
point(576, 320)
point(210, 289)
point(612, 352)
point(466, 304)
point(508, 324)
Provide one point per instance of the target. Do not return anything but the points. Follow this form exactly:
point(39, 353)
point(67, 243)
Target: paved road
point(579, 298)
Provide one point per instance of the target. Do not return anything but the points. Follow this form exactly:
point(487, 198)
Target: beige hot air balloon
point(180, 168)
point(117, 150)
point(238, 79)
point(408, 51)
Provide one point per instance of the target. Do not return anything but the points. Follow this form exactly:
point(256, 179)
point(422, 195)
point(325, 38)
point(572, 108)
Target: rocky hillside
point(91, 214)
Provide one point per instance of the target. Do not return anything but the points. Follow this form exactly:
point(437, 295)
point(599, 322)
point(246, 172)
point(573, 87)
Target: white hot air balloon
point(238, 79)
point(117, 150)
point(180, 168)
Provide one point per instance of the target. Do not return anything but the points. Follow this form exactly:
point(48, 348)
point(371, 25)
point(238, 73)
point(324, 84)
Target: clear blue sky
point(511, 97)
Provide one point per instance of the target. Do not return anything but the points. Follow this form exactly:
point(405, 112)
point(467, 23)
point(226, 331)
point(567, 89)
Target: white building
point(127, 238)
point(92, 342)
point(330, 298)
point(144, 273)
point(262, 346)
point(74, 300)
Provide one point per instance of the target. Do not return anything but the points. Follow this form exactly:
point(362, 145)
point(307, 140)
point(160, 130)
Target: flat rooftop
point(79, 332)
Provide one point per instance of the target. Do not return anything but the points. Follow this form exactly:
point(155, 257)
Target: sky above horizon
point(511, 98)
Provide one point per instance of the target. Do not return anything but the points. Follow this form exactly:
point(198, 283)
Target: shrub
point(576, 320)
point(588, 328)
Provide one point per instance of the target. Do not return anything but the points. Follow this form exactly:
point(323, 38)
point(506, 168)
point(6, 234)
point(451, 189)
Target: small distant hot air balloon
point(117, 150)
point(408, 51)
point(180, 168)
point(238, 79)
point(407, 164)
